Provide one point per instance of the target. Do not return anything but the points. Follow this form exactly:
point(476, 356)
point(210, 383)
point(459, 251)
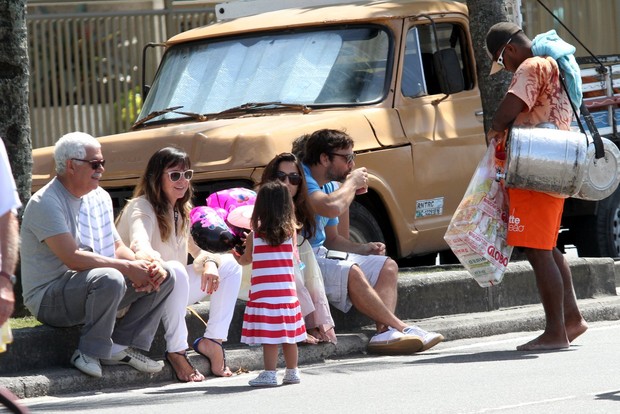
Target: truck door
point(447, 139)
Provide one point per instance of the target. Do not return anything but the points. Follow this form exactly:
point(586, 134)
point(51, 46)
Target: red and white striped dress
point(272, 315)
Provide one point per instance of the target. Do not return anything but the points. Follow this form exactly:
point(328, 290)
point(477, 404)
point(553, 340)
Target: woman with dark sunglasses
point(286, 168)
point(155, 224)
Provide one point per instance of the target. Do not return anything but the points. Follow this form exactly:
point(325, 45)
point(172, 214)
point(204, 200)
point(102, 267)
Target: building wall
point(595, 22)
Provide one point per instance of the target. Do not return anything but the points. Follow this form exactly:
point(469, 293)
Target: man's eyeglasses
point(94, 164)
point(349, 158)
point(176, 175)
point(293, 178)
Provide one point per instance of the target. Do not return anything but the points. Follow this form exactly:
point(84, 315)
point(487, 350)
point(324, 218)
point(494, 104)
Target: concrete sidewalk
point(442, 299)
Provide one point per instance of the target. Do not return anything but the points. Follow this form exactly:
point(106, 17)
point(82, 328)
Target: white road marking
point(531, 403)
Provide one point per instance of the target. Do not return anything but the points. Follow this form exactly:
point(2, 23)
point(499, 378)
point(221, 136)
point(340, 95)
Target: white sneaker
point(291, 376)
point(386, 337)
point(265, 379)
point(393, 342)
point(429, 339)
point(88, 365)
point(134, 359)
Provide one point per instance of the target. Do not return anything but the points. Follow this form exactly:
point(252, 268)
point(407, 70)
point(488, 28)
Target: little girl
point(273, 315)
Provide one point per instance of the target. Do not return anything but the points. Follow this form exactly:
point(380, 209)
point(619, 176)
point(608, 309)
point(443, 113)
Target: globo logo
point(497, 255)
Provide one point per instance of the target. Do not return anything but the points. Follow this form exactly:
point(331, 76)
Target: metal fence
point(85, 66)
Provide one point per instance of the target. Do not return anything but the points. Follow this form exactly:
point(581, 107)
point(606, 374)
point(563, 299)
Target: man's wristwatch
point(12, 278)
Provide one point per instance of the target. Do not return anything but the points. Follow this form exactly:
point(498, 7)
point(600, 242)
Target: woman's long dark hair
point(150, 186)
point(273, 218)
point(303, 210)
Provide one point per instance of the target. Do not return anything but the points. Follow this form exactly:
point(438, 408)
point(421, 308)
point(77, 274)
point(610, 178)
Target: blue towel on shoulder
point(550, 44)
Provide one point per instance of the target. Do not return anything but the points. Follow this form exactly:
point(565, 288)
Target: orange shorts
point(534, 219)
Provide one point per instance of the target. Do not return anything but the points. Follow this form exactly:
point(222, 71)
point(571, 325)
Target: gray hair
point(72, 145)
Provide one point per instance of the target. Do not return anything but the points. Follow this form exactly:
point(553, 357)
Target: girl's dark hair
point(304, 212)
point(273, 218)
point(150, 186)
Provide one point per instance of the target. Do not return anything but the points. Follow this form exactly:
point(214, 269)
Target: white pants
point(187, 291)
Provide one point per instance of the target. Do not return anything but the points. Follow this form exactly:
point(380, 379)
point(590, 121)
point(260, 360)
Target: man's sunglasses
point(500, 58)
point(293, 178)
point(349, 158)
point(94, 164)
point(176, 175)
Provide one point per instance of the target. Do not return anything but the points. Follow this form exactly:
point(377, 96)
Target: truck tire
point(599, 235)
point(363, 227)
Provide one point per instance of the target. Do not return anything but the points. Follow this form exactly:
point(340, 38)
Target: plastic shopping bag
point(477, 232)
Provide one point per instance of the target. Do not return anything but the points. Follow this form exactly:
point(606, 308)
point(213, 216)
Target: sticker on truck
point(432, 207)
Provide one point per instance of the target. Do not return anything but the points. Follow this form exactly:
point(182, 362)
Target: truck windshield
point(334, 66)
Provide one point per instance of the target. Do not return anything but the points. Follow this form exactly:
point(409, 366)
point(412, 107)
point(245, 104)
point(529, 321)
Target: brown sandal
point(196, 375)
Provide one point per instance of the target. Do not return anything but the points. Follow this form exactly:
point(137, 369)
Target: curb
point(241, 358)
point(448, 301)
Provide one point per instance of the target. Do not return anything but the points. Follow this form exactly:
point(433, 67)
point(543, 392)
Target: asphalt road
point(483, 375)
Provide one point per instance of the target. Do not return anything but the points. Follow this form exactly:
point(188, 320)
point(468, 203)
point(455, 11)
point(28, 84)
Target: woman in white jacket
point(155, 223)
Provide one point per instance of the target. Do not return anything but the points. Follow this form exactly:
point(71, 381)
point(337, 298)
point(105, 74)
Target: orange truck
point(398, 76)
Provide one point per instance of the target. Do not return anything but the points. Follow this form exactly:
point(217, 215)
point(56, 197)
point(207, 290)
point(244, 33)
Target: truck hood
point(220, 145)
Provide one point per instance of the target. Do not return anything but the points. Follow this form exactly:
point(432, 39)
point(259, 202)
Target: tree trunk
point(14, 112)
point(482, 15)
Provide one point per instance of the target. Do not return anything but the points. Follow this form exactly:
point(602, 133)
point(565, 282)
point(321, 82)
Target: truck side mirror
point(448, 69)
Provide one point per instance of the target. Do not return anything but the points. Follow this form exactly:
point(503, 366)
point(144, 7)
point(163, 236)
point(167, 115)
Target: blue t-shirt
point(321, 221)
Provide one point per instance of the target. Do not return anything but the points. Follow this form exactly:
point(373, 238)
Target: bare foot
point(183, 370)
point(544, 343)
point(319, 334)
point(311, 340)
point(214, 352)
point(573, 331)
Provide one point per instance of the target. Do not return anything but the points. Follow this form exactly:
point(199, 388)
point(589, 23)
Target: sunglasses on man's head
point(293, 178)
point(94, 164)
point(176, 175)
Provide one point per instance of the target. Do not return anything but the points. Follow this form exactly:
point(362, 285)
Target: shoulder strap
point(599, 150)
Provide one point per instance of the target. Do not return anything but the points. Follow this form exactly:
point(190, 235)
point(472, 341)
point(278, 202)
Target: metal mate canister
point(601, 176)
point(546, 160)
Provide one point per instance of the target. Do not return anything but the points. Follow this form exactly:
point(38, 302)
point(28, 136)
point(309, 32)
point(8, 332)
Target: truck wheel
point(599, 235)
point(447, 257)
point(363, 227)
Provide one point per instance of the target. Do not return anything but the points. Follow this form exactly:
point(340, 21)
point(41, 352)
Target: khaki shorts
point(335, 274)
point(534, 219)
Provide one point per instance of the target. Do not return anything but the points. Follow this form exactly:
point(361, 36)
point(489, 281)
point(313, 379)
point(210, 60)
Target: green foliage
point(25, 322)
point(128, 106)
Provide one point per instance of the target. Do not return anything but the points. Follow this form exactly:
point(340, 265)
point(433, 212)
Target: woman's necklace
point(176, 220)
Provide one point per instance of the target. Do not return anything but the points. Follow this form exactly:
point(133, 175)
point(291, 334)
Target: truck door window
point(413, 83)
point(419, 77)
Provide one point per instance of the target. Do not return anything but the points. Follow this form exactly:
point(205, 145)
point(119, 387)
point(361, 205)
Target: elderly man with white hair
point(77, 271)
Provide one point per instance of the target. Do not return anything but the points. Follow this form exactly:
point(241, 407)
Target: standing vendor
point(534, 96)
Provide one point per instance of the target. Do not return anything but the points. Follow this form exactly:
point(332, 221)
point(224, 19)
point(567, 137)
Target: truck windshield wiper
point(252, 106)
point(173, 109)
